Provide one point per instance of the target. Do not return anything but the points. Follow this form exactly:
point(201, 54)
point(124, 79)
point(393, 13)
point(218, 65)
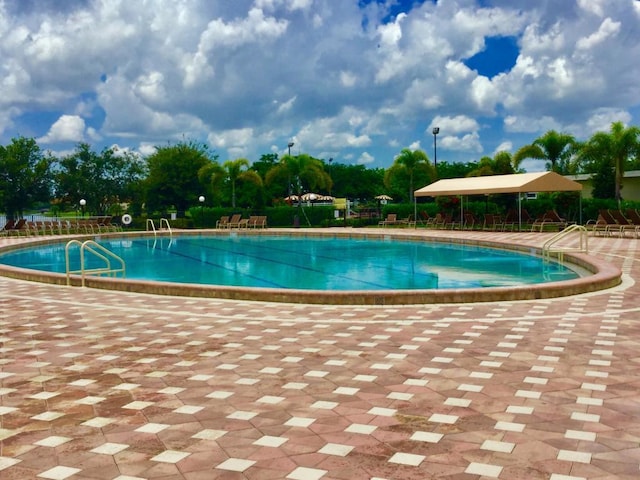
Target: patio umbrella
point(383, 197)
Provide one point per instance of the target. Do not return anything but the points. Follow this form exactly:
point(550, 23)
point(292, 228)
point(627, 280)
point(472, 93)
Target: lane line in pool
point(284, 264)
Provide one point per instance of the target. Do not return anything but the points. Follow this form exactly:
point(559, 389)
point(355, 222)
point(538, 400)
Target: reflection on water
point(311, 263)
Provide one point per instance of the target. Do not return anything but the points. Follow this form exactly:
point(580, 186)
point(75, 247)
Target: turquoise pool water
point(307, 263)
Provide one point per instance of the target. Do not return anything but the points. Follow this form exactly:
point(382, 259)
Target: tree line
point(178, 176)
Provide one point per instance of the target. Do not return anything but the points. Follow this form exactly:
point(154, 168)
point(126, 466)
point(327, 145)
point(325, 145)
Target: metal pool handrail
point(163, 221)
point(583, 245)
point(96, 249)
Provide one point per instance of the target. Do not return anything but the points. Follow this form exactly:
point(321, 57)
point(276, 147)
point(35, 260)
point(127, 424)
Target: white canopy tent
point(493, 184)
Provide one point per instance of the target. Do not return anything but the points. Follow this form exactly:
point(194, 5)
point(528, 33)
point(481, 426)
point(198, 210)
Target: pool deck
point(108, 385)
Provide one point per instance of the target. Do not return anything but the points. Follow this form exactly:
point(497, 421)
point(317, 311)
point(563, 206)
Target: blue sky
point(352, 80)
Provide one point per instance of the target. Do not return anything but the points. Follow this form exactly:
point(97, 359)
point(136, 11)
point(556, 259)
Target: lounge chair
point(442, 220)
point(425, 219)
point(624, 223)
point(234, 222)
point(35, 228)
point(257, 221)
point(633, 216)
point(409, 221)
point(7, 227)
point(470, 221)
point(492, 222)
point(392, 219)
point(19, 228)
point(223, 222)
point(549, 219)
point(514, 218)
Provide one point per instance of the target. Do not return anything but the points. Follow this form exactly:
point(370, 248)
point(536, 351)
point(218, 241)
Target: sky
point(351, 80)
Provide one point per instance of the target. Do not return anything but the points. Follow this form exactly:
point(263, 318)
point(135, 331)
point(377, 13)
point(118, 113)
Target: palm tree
point(617, 146)
point(211, 176)
point(238, 170)
point(409, 164)
point(552, 146)
point(300, 171)
point(500, 164)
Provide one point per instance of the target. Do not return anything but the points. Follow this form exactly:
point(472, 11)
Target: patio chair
point(392, 219)
point(514, 218)
point(19, 228)
point(425, 219)
point(409, 221)
point(549, 219)
point(624, 223)
point(492, 222)
point(633, 215)
point(257, 221)
point(470, 221)
point(223, 222)
point(35, 228)
point(8, 226)
point(234, 222)
point(441, 220)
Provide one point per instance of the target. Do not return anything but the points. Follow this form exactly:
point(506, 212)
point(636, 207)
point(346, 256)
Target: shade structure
point(515, 183)
point(383, 197)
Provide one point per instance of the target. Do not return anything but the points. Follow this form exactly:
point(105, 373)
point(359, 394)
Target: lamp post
point(289, 145)
point(435, 132)
point(330, 176)
point(201, 200)
point(83, 203)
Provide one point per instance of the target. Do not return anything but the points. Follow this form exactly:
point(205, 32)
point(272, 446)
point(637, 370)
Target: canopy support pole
point(519, 211)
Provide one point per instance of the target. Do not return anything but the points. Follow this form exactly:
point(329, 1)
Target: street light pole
point(435, 132)
point(289, 145)
point(83, 203)
point(201, 200)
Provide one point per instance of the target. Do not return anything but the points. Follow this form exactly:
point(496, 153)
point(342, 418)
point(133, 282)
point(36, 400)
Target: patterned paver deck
point(107, 385)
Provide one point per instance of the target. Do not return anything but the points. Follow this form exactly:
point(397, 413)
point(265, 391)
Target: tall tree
point(301, 172)
point(553, 147)
point(409, 166)
point(102, 179)
point(618, 146)
point(238, 171)
point(500, 164)
point(173, 178)
point(24, 176)
point(356, 181)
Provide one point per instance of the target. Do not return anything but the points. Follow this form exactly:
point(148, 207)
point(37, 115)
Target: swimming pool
point(312, 268)
point(308, 263)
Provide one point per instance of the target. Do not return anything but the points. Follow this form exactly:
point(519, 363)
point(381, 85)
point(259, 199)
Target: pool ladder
point(551, 246)
point(98, 251)
point(164, 225)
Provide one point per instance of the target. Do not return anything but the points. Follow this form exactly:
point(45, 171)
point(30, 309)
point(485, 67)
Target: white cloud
point(527, 124)
point(607, 29)
point(339, 76)
point(601, 120)
point(348, 79)
point(506, 146)
point(466, 143)
point(454, 125)
point(595, 7)
point(68, 128)
point(365, 159)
